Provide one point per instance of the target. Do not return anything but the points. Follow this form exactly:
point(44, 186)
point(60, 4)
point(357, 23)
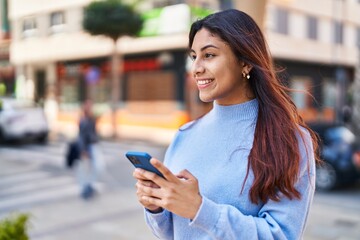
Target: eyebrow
point(205, 47)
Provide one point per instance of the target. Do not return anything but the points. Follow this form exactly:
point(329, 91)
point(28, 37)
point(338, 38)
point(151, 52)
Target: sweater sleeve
point(160, 224)
point(285, 219)
point(275, 220)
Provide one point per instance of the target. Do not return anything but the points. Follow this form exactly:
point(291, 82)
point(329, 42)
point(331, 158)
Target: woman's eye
point(192, 57)
point(209, 55)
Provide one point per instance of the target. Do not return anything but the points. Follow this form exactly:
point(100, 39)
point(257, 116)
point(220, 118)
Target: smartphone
point(142, 160)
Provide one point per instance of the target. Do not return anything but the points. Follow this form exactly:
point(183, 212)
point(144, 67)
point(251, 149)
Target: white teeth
point(203, 82)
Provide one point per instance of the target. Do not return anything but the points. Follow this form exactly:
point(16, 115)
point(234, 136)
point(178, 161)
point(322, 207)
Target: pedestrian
point(246, 169)
point(91, 163)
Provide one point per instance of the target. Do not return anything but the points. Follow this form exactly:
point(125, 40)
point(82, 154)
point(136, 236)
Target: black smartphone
point(142, 160)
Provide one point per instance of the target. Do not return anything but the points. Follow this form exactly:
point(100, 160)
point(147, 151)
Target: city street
point(33, 179)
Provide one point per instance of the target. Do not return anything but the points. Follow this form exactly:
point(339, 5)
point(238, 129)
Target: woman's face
point(217, 72)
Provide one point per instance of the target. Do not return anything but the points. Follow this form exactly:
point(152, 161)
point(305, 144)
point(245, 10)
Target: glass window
point(29, 24)
point(329, 94)
point(312, 27)
point(338, 32)
point(57, 21)
point(29, 27)
point(57, 18)
point(299, 95)
point(282, 21)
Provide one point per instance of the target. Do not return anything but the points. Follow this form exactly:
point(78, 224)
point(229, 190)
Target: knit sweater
point(215, 149)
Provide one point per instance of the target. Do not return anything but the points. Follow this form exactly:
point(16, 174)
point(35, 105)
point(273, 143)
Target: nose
point(197, 68)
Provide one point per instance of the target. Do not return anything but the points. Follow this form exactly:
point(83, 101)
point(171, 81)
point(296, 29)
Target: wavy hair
point(275, 155)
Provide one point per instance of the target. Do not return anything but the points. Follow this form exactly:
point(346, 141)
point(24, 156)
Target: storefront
point(152, 90)
point(328, 86)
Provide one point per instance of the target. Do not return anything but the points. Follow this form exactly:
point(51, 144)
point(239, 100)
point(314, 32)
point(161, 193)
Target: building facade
point(316, 45)
point(7, 74)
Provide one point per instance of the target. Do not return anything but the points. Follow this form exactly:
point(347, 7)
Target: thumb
point(185, 174)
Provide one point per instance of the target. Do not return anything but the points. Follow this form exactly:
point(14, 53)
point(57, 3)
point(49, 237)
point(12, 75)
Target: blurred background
point(46, 55)
point(142, 90)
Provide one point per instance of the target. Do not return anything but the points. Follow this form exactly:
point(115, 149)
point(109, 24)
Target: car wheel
point(326, 177)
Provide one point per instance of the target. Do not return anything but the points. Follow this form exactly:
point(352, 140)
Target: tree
point(113, 19)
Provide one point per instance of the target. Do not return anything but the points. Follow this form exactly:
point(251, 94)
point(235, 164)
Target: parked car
point(22, 119)
point(340, 152)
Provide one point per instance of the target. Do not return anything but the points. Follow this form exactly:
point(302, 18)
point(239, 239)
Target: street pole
point(115, 89)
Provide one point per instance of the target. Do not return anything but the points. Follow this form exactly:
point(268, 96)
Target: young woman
point(246, 169)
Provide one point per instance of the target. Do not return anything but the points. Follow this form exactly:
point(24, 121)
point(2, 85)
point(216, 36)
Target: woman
point(246, 169)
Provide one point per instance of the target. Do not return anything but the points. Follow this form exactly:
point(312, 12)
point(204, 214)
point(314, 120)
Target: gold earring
point(248, 76)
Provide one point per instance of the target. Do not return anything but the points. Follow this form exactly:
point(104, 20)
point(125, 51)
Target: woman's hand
point(145, 183)
point(178, 194)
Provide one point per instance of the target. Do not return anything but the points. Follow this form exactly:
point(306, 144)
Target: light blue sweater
point(215, 150)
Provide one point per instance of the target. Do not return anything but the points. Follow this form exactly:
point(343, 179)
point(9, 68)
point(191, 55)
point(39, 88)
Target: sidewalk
point(111, 215)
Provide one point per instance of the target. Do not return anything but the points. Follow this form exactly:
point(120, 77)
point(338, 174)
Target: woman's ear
point(247, 67)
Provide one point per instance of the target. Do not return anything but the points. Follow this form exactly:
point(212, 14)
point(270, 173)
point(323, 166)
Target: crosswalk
point(27, 186)
point(34, 175)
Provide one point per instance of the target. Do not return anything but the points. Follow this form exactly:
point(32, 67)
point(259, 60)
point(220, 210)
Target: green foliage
point(14, 227)
point(111, 18)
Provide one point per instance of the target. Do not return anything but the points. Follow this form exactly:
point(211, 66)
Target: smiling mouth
point(204, 81)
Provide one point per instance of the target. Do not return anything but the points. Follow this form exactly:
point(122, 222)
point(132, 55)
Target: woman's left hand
point(178, 194)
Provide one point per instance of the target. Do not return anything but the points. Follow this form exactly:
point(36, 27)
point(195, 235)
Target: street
point(34, 179)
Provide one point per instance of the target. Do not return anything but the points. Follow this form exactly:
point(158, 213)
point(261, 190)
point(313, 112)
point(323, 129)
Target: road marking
point(31, 185)
point(7, 181)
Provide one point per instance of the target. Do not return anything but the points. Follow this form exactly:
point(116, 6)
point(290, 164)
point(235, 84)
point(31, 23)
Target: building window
point(29, 27)
point(312, 27)
point(329, 94)
point(282, 21)
point(57, 22)
point(338, 32)
point(57, 18)
point(301, 86)
point(301, 95)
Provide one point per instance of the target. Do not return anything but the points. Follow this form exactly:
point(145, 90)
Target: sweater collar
point(243, 111)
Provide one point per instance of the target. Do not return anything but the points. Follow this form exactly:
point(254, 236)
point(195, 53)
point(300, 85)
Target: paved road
point(33, 179)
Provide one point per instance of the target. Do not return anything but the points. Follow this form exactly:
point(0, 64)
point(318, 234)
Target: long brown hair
point(274, 157)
